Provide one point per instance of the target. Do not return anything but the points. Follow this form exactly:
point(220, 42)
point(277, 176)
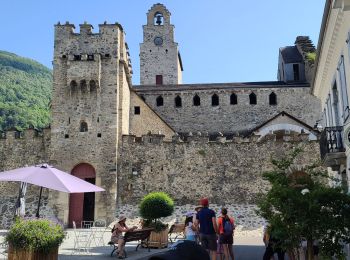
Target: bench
point(135, 235)
point(178, 230)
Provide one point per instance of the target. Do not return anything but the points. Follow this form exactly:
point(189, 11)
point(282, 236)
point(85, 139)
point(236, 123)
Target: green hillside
point(25, 93)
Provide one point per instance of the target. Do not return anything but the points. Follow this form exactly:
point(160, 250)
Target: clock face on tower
point(158, 41)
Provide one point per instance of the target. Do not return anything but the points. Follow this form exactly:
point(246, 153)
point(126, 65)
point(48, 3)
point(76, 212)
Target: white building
point(331, 85)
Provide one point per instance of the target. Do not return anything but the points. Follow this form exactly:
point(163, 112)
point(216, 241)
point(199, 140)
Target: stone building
point(190, 140)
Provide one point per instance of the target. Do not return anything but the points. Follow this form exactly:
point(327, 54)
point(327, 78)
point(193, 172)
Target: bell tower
point(160, 61)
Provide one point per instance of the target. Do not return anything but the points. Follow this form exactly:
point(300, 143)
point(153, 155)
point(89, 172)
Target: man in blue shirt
point(208, 229)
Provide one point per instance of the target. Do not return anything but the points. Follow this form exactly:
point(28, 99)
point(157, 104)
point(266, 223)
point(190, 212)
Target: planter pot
point(158, 239)
point(14, 254)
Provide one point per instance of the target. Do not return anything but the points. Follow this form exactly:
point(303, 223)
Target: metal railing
point(331, 140)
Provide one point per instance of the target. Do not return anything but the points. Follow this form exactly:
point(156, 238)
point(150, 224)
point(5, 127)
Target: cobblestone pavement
point(248, 246)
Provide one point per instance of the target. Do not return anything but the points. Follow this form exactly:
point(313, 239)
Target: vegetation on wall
point(311, 57)
point(301, 206)
point(25, 93)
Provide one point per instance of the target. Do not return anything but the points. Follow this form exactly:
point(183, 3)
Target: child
point(190, 229)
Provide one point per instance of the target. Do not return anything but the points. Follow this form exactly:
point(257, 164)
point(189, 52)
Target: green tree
point(302, 206)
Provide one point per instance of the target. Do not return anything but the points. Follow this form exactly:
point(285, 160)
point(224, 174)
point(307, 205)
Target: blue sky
point(219, 41)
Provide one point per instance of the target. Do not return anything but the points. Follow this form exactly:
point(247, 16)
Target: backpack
point(228, 226)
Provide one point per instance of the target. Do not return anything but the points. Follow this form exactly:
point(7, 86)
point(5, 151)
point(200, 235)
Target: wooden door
point(82, 204)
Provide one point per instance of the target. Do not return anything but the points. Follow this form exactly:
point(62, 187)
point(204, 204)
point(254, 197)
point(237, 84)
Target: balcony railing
point(331, 141)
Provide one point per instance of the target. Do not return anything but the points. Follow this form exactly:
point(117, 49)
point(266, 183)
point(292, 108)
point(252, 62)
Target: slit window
point(137, 110)
point(252, 99)
point(178, 102)
point(196, 101)
point(214, 100)
point(233, 99)
point(273, 99)
point(159, 101)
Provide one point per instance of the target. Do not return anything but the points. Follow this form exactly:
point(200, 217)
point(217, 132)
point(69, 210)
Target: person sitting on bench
point(117, 235)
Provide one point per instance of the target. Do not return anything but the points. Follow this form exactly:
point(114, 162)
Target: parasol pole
point(37, 212)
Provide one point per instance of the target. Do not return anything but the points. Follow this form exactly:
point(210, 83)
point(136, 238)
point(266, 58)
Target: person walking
point(208, 229)
point(226, 226)
point(273, 245)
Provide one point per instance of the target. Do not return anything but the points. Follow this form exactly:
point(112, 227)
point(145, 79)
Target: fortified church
point(189, 140)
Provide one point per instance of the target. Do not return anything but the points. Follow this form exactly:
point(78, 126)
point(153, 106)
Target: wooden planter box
point(158, 239)
point(30, 255)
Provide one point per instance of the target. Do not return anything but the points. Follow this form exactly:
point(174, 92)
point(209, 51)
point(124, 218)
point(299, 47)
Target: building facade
point(162, 134)
point(331, 86)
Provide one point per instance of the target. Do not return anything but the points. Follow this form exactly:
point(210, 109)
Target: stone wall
point(19, 150)
point(147, 120)
point(244, 214)
point(228, 172)
point(226, 117)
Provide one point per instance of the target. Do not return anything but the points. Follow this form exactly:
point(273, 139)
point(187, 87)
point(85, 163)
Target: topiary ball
point(156, 205)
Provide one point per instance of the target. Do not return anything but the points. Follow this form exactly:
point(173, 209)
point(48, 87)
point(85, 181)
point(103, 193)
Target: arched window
point(158, 18)
point(273, 99)
point(233, 99)
point(159, 101)
point(83, 126)
point(92, 84)
point(83, 86)
point(178, 102)
point(196, 101)
point(214, 100)
point(252, 99)
point(73, 86)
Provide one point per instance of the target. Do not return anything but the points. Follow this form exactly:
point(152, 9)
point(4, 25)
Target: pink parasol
point(49, 177)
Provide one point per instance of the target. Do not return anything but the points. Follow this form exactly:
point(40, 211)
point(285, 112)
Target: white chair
point(98, 231)
point(82, 239)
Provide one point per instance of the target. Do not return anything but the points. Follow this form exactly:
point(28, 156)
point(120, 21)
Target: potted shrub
point(154, 206)
point(34, 239)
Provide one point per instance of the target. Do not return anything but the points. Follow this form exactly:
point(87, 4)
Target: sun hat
point(121, 218)
point(198, 207)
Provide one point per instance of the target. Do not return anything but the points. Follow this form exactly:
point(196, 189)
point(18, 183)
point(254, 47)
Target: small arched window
point(73, 86)
point(83, 86)
point(214, 100)
point(178, 102)
point(273, 99)
point(83, 126)
point(158, 18)
point(92, 84)
point(233, 99)
point(159, 101)
point(252, 99)
point(196, 101)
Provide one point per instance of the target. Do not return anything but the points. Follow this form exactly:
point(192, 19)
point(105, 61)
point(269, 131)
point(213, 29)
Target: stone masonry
point(226, 117)
point(133, 144)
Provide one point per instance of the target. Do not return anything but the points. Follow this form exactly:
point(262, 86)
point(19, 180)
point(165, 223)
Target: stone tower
point(90, 112)
point(160, 61)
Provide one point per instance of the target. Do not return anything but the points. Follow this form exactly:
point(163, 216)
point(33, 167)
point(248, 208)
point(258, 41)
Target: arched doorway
point(82, 205)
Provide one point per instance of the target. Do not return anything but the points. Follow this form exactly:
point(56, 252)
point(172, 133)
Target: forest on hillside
point(25, 93)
